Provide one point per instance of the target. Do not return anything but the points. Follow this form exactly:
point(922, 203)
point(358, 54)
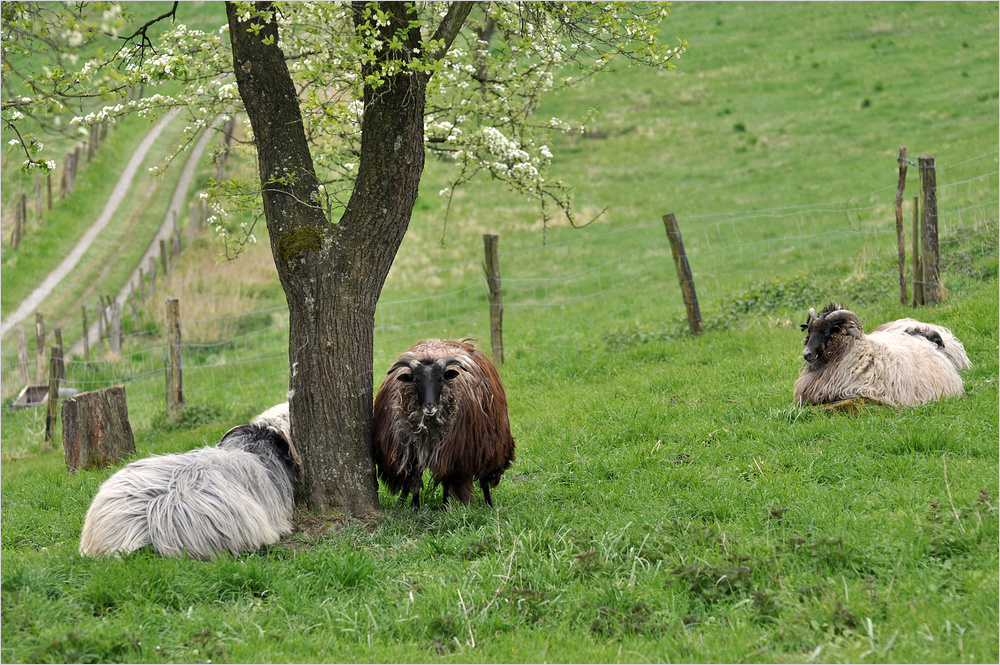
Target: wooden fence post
point(86, 334)
point(115, 336)
point(918, 270)
point(152, 276)
point(933, 290)
point(49, 186)
point(55, 369)
point(57, 334)
point(163, 257)
point(39, 348)
point(900, 235)
point(15, 236)
point(22, 356)
point(684, 275)
point(100, 330)
point(64, 178)
point(175, 391)
point(38, 196)
point(491, 243)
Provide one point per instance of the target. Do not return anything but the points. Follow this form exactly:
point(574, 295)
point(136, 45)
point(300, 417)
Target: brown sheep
point(442, 407)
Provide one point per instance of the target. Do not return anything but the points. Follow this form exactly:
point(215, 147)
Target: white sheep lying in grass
point(234, 497)
point(902, 363)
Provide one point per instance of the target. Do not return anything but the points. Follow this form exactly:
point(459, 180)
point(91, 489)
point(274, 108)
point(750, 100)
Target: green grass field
point(669, 502)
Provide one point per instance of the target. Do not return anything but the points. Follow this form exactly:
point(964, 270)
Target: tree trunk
point(332, 272)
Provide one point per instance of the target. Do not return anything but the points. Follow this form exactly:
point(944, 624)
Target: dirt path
point(118, 194)
point(165, 232)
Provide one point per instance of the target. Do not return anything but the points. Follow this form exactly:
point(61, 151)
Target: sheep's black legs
point(486, 492)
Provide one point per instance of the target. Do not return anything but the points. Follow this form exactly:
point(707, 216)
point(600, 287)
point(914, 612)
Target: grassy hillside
point(669, 502)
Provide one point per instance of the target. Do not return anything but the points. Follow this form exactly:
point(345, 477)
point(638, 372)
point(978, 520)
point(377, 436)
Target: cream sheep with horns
point(234, 497)
point(903, 363)
point(442, 407)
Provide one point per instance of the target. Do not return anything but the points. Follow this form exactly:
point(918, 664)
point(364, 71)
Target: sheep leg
point(412, 487)
point(486, 492)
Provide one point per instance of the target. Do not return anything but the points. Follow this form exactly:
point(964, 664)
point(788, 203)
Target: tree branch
point(450, 26)
point(145, 42)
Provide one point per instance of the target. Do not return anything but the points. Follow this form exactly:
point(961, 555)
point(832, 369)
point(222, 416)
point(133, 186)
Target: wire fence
point(553, 291)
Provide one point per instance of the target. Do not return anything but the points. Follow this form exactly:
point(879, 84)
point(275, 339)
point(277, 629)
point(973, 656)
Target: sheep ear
point(804, 327)
point(405, 377)
point(450, 374)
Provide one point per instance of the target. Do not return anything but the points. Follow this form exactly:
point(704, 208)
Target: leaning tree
point(345, 101)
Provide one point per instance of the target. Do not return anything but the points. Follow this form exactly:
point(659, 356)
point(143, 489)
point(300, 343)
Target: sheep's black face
point(428, 381)
point(819, 332)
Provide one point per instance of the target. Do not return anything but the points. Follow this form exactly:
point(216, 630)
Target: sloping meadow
point(669, 501)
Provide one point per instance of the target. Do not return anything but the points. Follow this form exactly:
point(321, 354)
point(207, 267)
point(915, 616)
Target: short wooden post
point(57, 335)
point(684, 275)
point(115, 336)
point(100, 331)
point(918, 271)
point(55, 363)
point(73, 161)
point(92, 143)
point(38, 196)
point(64, 178)
point(152, 276)
point(491, 243)
point(163, 257)
point(933, 291)
point(900, 235)
point(15, 236)
point(86, 334)
point(39, 348)
point(175, 391)
point(96, 430)
point(22, 356)
point(48, 179)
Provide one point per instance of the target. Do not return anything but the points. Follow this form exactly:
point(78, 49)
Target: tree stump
point(96, 431)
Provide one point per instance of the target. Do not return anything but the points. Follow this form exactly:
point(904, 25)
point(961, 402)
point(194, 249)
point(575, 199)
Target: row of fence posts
point(926, 286)
point(67, 181)
point(66, 185)
point(57, 368)
point(110, 326)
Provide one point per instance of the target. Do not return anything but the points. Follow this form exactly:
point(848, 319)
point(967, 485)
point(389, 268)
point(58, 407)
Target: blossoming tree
point(345, 100)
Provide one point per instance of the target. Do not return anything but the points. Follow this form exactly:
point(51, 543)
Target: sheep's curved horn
point(406, 361)
point(810, 317)
point(445, 362)
point(840, 314)
point(846, 315)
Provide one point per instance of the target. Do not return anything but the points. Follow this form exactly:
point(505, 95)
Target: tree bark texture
point(96, 430)
point(332, 272)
